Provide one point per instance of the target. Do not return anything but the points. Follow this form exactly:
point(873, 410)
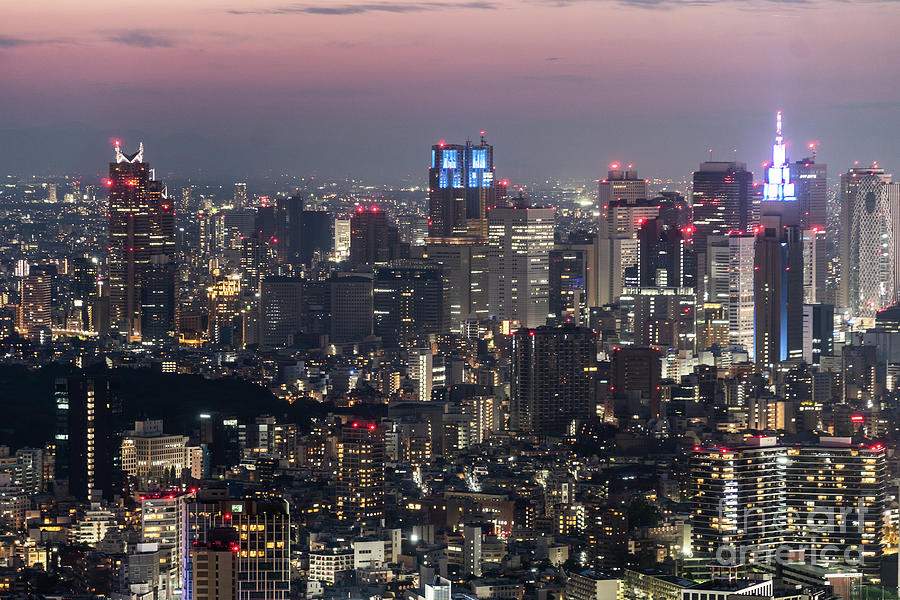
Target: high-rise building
point(836, 500)
point(420, 369)
point(461, 189)
point(521, 238)
point(141, 224)
point(87, 439)
point(741, 283)
point(569, 274)
point(352, 307)
point(341, 239)
point(413, 229)
point(34, 308)
point(316, 236)
point(150, 455)
point(870, 212)
point(663, 316)
point(553, 385)
point(811, 189)
point(723, 200)
point(158, 300)
point(224, 302)
point(215, 562)
point(240, 194)
point(738, 501)
point(618, 248)
point(621, 185)
point(465, 270)
point(289, 228)
point(778, 287)
point(779, 264)
point(818, 332)
point(666, 257)
point(280, 311)
point(637, 371)
point(409, 300)
point(360, 471)
point(373, 239)
point(263, 546)
point(815, 265)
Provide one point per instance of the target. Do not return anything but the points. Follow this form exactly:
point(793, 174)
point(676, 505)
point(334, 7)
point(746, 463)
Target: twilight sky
point(344, 87)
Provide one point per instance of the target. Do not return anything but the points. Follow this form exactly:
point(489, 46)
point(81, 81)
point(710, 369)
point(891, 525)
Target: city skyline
point(360, 88)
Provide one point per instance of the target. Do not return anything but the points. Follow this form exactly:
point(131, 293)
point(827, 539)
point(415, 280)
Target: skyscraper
point(409, 300)
point(521, 238)
point(870, 211)
point(553, 379)
point(289, 228)
point(262, 549)
point(723, 200)
point(141, 224)
point(280, 311)
point(88, 413)
point(316, 235)
point(360, 471)
point(778, 291)
point(837, 498)
point(666, 256)
point(738, 501)
point(622, 185)
point(624, 207)
point(215, 561)
point(741, 283)
point(158, 300)
point(240, 194)
point(34, 307)
point(464, 263)
point(351, 307)
point(461, 189)
point(778, 270)
point(373, 239)
point(568, 278)
point(779, 186)
point(811, 188)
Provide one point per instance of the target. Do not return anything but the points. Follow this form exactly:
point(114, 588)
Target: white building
point(521, 239)
point(150, 454)
point(93, 527)
point(870, 215)
point(741, 301)
point(326, 565)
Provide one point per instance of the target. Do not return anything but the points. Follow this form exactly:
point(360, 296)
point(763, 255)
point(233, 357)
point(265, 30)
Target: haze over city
point(363, 88)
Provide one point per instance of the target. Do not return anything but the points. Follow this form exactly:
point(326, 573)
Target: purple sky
point(563, 87)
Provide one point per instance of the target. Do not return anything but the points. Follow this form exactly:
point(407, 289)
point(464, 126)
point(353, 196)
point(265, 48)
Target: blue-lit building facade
point(779, 264)
point(461, 189)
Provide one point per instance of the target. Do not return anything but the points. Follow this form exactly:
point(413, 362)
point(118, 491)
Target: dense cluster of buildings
point(660, 394)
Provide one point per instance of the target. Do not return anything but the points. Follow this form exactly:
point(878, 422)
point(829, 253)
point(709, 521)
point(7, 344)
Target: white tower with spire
point(779, 187)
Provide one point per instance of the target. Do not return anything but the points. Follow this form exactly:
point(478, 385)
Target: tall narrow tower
point(461, 189)
point(779, 186)
point(778, 270)
point(141, 225)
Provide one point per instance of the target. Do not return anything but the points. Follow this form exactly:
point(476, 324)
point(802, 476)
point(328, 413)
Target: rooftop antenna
point(482, 132)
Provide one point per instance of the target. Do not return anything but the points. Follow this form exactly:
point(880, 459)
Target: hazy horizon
point(563, 87)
